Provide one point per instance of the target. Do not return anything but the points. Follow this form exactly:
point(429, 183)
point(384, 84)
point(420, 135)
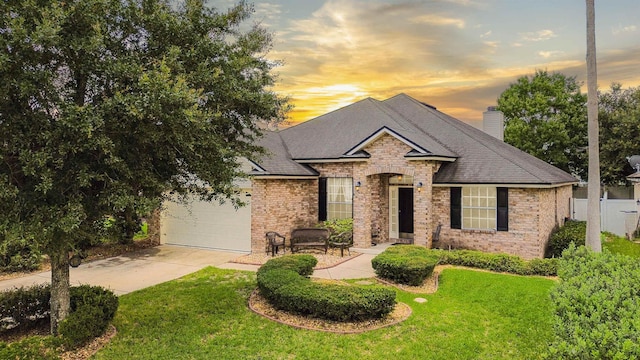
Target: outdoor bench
point(310, 238)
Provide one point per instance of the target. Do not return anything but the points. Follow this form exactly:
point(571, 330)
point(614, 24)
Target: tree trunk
point(593, 187)
point(60, 298)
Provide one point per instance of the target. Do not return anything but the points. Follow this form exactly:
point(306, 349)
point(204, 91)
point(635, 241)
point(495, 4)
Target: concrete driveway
point(134, 271)
point(148, 267)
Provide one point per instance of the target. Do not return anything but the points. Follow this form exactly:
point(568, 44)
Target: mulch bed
point(92, 347)
point(261, 306)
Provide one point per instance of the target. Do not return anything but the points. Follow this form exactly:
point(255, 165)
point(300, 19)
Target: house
point(400, 168)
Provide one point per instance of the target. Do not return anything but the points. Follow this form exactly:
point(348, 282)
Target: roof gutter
point(522, 186)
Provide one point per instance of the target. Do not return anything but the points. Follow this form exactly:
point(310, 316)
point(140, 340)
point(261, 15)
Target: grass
point(620, 245)
point(473, 315)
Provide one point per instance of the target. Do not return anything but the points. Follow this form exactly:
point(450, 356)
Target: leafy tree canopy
point(107, 104)
point(619, 116)
point(546, 116)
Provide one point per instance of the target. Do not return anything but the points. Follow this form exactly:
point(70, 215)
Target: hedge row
point(286, 288)
point(408, 264)
point(92, 308)
point(499, 262)
point(596, 306)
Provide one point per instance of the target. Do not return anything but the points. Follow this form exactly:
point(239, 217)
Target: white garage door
point(208, 225)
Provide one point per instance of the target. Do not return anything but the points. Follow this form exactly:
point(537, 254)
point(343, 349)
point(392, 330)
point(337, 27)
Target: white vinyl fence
point(616, 216)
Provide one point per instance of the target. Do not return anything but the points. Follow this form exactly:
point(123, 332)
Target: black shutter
point(456, 208)
point(503, 209)
point(322, 199)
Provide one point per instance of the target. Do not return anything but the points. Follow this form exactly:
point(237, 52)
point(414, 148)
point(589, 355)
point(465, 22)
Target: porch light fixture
point(358, 184)
point(419, 186)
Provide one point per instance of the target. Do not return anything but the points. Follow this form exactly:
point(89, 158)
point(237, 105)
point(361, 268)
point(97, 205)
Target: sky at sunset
point(457, 55)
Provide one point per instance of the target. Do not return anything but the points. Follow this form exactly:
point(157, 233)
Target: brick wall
point(533, 213)
point(281, 205)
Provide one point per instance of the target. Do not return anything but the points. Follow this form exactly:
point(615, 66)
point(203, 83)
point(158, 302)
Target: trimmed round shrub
point(302, 264)
point(405, 264)
point(81, 326)
point(92, 308)
point(571, 232)
point(286, 289)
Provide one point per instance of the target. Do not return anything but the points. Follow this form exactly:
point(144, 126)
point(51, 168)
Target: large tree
point(545, 116)
point(106, 105)
point(619, 118)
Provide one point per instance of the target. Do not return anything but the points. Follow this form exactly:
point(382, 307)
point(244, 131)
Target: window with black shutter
point(456, 208)
point(322, 199)
point(503, 209)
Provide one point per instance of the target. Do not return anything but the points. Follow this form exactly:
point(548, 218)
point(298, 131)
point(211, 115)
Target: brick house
point(400, 168)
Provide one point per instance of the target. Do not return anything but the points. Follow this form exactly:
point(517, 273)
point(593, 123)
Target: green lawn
point(474, 315)
point(620, 245)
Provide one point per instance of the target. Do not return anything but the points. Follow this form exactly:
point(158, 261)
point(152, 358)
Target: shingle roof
point(479, 157)
point(278, 160)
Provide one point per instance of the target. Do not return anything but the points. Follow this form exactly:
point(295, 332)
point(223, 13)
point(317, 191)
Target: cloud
point(370, 49)
point(540, 35)
point(439, 20)
point(267, 10)
point(492, 44)
point(349, 50)
point(623, 29)
point(550, 54)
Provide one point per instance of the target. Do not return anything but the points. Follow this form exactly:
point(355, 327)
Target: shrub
point(302, 264)
point(81, 326)
point(496, 262)
point(544, 267)
point(570, 232)
point(405, 264)
point(96, 296)
point(287, 289)
point(596, 306)
point(92, 308)
point(24, 308)
point(337, 226)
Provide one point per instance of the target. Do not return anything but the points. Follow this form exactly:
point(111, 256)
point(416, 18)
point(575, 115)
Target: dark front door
point(405, 210)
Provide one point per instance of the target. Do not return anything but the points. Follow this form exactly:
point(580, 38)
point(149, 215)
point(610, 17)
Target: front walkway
point(148, 267)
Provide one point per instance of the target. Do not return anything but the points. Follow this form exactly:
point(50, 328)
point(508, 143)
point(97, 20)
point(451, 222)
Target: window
point(480, 207)
point(339, 198)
